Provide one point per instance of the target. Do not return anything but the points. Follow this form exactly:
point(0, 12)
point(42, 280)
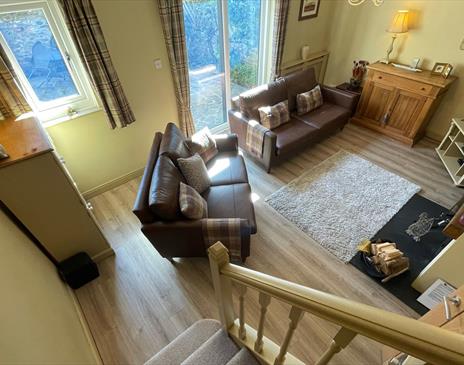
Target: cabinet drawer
point(401, 83)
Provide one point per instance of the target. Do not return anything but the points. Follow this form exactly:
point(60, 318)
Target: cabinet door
point(375, 102)
point(404, 111)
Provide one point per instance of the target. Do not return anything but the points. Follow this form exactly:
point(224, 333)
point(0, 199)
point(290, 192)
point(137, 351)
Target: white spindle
point(264, 301)
point(295, 316)
point(339, 342)
point(218, 257)
point(241, 298)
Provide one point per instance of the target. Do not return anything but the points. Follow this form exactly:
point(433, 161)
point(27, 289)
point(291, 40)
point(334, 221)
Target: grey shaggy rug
point(342, 201)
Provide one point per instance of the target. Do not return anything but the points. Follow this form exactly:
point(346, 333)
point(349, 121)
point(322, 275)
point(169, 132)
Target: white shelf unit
point(451, 151)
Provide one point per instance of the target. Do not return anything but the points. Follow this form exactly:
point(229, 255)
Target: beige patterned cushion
point(273, 116)
point(192, 205)
point(195, 172)
point(309, 100)
point(202, 143)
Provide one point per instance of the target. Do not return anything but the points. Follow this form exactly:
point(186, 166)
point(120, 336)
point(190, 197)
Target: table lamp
point(399, 25)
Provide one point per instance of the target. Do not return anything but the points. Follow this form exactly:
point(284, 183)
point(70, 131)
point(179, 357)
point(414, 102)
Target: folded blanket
point(255, 138)
point(225, 230)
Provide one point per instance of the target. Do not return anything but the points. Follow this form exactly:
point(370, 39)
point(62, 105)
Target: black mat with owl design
point(415, 231)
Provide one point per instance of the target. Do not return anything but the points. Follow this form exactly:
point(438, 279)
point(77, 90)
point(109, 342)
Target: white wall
point(39, 321)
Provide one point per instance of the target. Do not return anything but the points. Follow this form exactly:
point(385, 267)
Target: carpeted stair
point(204, 343)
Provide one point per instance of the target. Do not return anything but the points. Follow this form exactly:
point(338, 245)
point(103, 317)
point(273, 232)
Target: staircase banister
point(421, 340)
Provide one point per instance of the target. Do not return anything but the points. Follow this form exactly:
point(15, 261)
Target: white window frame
point(65, 108)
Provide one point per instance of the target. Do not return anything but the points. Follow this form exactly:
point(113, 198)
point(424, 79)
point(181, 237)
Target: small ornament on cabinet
point(358, 72)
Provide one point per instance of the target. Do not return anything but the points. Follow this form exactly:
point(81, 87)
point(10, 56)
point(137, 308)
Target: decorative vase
point(305, 52)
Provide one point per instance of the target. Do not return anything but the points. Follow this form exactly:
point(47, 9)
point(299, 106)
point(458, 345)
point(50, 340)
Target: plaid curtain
point(278, 38)
point(12, 101)
point(172, 19)
point(88, 37)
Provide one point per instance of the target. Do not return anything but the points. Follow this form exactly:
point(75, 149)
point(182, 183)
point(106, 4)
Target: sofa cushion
point(271, 116)
point(164, 190)
point(293, 134)
point(192, 205)
point(298, 83)
point(203, 143)
point(309, 100)
point(326, 118)
point(231, 201)
point(195, 172)
point(172, 145)
point(227, 168)
point(269, 94)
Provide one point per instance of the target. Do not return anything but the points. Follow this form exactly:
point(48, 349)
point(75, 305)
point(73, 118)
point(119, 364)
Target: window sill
point(67, 118)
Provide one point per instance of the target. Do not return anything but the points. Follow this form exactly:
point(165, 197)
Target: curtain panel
point(171, 13)
point(85, 29)
point(278, 38)
point(12, 101)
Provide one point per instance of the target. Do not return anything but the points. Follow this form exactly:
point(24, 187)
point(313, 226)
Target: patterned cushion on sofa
point(273, 116)
point(203, 143)
point(192, 205)
point(309, 100)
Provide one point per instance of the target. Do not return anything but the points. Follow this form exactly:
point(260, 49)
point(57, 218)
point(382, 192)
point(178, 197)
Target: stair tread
point(186, 343)
point(217, 350)
point(243, 357)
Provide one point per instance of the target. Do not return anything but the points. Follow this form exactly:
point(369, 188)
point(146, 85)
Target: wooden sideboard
point(399, 103)
point(38, 189)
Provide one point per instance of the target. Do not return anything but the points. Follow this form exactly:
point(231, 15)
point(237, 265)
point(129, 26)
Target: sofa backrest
point(173, 144)
point(141, 208)
point(263, 95)
point(297, 83)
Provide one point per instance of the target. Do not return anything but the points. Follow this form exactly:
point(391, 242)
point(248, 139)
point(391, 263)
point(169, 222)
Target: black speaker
point(78, 270)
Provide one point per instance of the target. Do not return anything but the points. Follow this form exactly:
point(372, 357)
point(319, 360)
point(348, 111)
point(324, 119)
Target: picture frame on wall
point(308, 9)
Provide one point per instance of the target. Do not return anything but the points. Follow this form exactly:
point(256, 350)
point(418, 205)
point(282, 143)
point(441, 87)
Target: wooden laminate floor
point(141, 301)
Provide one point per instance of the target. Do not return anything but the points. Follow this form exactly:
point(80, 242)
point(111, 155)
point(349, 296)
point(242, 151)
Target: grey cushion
point(297, 83)
point(195, 172)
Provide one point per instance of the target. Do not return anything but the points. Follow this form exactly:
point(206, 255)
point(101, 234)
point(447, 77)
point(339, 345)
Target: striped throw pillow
point(192, 205)
point(309, 100)
point(202, 143)
point(273, 116)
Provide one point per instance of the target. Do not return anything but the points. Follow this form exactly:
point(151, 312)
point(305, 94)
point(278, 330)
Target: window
point(39, 47)
point(228, 46)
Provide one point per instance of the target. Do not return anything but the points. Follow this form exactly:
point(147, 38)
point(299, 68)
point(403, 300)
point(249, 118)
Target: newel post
point(218, 257)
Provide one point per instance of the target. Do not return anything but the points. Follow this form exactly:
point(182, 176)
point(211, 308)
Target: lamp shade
point(400, 22)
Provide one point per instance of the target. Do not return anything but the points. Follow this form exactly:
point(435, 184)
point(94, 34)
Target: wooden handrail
point(421, 340)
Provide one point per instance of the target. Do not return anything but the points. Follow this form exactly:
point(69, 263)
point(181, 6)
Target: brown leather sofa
point(228, 197)
point(301, 131)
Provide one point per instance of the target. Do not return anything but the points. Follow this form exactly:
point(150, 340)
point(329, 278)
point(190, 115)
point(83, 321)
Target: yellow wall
point(359, 33)
point(94, 153)
point(313, 32)
point(38, 317)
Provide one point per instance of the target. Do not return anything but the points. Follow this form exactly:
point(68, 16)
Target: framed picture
point(447, 71)
point(308, 9)
point(442, 69)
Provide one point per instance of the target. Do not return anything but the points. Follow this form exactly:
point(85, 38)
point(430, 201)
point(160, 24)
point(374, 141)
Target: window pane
point(244, 32)
point(206, 66)
point(30, 39)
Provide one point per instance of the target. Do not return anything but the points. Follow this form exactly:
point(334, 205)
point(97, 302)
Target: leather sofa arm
point(340, 97)
point(141, 209)
point(239, 123)
point(185, 238)
point(226, 142)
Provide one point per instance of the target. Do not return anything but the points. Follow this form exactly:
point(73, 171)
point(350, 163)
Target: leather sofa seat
point(327, 117)
point(227, 168)
point(292, 134)
point(231, 201)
